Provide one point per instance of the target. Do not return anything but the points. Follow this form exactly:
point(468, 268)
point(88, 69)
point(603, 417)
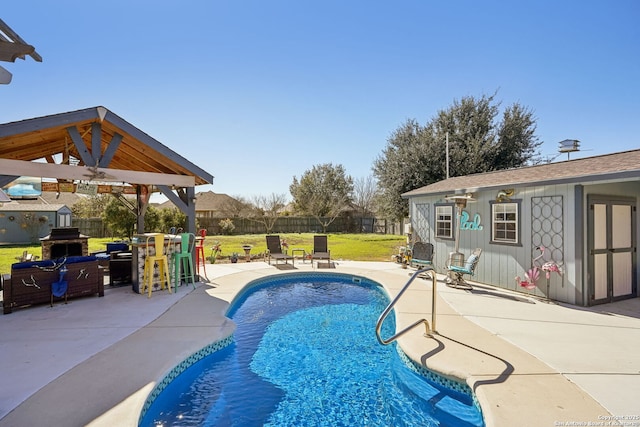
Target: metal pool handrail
point(429, 330)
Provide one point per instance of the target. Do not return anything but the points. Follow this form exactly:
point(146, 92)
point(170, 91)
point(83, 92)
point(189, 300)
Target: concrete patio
point(95, 360)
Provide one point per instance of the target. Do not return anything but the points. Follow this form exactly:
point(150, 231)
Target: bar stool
point(155, 255)
point(184, 261)
point(200, 251)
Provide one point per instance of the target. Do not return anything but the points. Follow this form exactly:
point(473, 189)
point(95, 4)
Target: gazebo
point(96, 150)
point(12, 47)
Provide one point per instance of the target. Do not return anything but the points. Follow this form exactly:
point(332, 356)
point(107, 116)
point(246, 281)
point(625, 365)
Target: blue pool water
point(305, 354)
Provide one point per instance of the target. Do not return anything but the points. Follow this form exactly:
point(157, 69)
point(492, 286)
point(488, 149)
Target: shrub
point(226, 226)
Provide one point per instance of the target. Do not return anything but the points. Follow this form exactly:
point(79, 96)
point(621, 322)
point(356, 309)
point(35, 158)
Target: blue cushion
point(117, 246)
point(29, 264)
point(460, 269)
point(470, 261)
point(50, 262)
point(74, 259)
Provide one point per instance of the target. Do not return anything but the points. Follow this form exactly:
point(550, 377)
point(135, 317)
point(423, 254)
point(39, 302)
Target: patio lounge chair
point(274, 250)
point(422, 255)
point(320, 249)
point(456, 280)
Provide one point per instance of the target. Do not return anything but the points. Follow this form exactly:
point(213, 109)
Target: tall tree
point(91, 207)
point(322, 192)
point(236, 206)
point(364, 194)
point(120, 220)
point(266, 209)
point(171, 217)
point(415, 155)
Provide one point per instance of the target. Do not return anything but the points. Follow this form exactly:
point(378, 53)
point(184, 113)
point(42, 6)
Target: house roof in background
point(207, 201)
point(51, 197)
point(40, 207)
point(617, 166)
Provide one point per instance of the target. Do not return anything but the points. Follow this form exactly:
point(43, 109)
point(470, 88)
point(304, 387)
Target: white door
point(611, 249)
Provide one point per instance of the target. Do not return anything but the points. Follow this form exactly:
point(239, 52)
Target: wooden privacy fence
point(92, 227)
point(296, 224)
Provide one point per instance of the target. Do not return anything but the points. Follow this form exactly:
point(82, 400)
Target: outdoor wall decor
point(505, 195)
point(465, 224)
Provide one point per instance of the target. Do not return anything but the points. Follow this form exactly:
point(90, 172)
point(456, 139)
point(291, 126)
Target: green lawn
point(357, 247)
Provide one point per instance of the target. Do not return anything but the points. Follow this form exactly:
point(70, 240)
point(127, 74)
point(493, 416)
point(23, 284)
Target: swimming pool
point(305, 353)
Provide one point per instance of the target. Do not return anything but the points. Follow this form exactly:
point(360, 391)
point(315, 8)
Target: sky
point(257, 92)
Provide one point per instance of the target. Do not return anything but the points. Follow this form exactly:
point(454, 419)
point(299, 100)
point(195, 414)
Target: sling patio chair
point(320, 249)
point(422, 255)
point(274, 250)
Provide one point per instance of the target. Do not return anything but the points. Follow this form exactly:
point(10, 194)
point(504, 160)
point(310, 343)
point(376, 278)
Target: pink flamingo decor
point(533, 274)
point(548, 268)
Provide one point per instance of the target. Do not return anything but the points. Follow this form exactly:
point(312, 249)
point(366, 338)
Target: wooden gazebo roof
point(13, 47)
point(92, 144)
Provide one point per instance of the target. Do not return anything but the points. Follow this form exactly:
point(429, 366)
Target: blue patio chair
point(422, 255)
point(456, 276)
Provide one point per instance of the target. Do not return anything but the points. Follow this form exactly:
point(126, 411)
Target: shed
point(579, 214)
point(27, 223)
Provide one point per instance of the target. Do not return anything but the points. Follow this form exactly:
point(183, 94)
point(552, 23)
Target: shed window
point(505, 219)
point(444, 221)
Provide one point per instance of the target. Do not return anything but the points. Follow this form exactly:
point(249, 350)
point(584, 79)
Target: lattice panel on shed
point(420, 223)
point(547, 227)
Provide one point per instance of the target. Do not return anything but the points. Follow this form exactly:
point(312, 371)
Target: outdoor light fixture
point(455, 257)
point(461, 199)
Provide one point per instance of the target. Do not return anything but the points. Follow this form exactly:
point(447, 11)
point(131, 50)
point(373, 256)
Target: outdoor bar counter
point(139, 253)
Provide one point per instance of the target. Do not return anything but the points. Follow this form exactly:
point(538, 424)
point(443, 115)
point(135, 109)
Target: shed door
point(611, 249)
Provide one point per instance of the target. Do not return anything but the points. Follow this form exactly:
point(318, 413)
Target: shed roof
point(617, 166)
point(101, 141)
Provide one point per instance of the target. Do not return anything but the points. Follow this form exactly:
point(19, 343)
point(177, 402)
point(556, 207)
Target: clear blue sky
point(256, 92)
